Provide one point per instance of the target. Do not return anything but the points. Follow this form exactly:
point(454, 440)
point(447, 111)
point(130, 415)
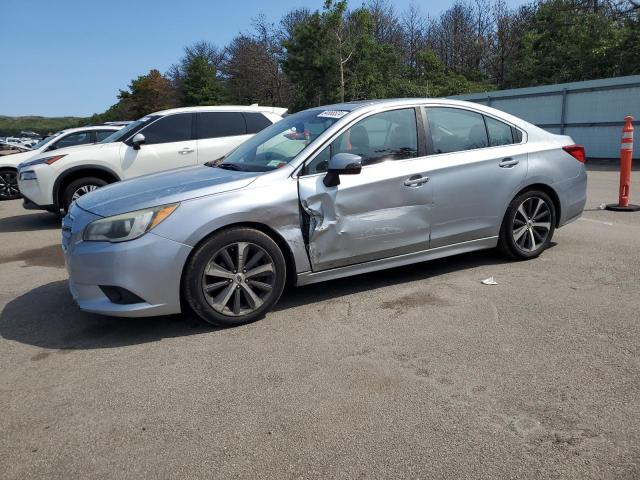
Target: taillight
point(576, 151)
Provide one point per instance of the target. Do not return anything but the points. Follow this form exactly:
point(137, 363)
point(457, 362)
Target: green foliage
point(564, 42)
point(200, 85)
point(310, 63)
point(12, 126)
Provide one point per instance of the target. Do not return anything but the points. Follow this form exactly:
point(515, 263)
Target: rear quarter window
point(256, 122)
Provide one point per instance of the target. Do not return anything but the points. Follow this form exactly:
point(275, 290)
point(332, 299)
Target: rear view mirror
point(137, 140)
point(342, 164)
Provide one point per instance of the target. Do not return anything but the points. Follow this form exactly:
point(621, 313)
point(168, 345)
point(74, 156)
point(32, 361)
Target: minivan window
point(499, 132)
point(79, 138)
point(102, 134)
point(256, 122)
point(172, 128)
point(455, 130)
point(220, 124)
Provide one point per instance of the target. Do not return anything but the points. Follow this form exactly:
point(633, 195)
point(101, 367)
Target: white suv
point(174, 138)
point(64, 138)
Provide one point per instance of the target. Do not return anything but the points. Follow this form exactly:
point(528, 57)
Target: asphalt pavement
point(415, 372)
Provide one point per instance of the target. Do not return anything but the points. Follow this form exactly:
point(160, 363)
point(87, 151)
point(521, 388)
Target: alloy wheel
point(9, 185)
point(238, 279)
point(531, 224)
point(83, 190)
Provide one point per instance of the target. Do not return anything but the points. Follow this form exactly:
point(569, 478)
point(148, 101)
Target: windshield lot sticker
point(332, 114)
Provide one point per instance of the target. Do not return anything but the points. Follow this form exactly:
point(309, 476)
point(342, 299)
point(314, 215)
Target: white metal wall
point(592, 112)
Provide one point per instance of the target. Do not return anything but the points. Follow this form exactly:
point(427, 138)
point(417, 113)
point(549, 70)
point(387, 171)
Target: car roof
point(368, 105)
point(91, 127)
point(223, 108)
point(351, 106)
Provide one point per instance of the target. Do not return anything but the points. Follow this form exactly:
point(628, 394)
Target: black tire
point(70, 190)
point(214, 307)
point(9, 184)
point(518, 222)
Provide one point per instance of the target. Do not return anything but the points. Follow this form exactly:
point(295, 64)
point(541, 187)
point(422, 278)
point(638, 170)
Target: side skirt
point(307, 278)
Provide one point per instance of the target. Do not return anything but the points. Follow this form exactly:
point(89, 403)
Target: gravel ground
point(416, 372)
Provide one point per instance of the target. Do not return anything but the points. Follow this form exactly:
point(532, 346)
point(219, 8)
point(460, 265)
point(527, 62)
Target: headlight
point(28, 175)
point(127, 226)
point(38, 161)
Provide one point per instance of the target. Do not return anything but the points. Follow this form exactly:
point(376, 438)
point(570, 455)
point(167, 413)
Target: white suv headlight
point(127, 226)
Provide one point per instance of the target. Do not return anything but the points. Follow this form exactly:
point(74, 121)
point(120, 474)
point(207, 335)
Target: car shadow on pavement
point(47, 317)
point(308, 294)
point(29, 222)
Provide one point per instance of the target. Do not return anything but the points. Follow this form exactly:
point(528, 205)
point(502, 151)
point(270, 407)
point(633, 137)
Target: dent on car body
point(337, 228)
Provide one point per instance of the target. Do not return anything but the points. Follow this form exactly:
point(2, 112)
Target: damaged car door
point(381, 211)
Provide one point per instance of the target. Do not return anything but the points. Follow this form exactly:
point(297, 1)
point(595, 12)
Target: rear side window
point(256, 122)
point(102, 134)
point(499, 133)
point(172, 128)
point(79, 138)
point(456, 130)
point(220, 124)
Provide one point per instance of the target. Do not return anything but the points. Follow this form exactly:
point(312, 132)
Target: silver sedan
point(325, 193)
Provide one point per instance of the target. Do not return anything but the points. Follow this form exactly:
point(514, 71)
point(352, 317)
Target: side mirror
point(137, 140)
point(342, 164)
point(51, 147)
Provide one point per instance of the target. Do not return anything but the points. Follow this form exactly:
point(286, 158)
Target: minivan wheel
point(528, 225)
point(9, 185)
point(78, 188)
point(234, 277)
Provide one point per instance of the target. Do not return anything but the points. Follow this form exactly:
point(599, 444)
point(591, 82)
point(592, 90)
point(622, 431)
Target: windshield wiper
point(231, 166)
point(214, 163)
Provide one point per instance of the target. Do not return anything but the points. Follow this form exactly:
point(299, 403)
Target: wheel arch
point(272, 233)
point(549, 190)
point(72, 174)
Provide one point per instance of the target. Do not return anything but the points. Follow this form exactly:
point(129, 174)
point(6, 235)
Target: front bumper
point(38, 191)
point(149, 267)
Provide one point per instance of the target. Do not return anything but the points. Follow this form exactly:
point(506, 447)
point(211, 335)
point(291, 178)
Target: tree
point(310, 62)
point(195, 77)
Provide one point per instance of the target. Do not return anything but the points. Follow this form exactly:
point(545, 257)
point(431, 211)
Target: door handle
point(415, 181)
point(508, 162)
point(186, 150)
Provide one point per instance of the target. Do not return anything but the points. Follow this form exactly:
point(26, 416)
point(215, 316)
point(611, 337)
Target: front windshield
point(46, 140)
point(277, 145)
point(130, 129)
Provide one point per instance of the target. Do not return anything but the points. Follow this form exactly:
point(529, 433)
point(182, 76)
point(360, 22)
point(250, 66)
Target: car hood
point(74, 149)
point(161, 188)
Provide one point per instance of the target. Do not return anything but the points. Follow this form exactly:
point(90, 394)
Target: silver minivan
point(325, 193)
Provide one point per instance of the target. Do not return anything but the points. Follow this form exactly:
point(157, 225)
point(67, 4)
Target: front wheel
point(528, 225)
point(78, 188)
point(234, 277)
point(9, 185)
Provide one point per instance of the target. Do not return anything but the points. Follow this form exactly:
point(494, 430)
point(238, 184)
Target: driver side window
point(391, 135)
point(172, 128)
point(73, 139)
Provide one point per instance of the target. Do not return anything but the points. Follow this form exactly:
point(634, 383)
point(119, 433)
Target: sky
point(70, 57)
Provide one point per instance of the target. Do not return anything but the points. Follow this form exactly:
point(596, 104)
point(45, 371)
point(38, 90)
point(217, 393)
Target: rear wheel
point(235, 277)
point(78, 188)
point(528, 225)
point(9, 185)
